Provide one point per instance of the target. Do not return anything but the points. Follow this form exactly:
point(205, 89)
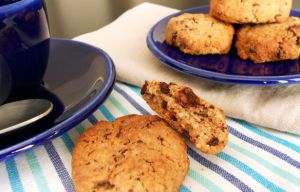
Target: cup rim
point(16, 7)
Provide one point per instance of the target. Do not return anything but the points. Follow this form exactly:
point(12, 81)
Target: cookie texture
point(199, 120)
point(199, 34)
point(270, 42)
point(251, 11)
point(134, 153)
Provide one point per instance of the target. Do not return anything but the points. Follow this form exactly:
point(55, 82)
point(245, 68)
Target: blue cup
point(24, 48)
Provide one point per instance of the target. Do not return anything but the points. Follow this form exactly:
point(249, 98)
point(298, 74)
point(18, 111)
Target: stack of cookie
point(265, 30)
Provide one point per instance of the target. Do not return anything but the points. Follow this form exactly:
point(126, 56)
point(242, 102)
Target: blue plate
point(222, 68)
point(78, 79)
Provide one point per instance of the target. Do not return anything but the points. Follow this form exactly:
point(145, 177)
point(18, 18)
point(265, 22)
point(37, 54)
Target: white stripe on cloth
point(5, 185)
point(25, 174)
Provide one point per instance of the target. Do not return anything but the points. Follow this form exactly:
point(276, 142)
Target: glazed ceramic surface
point(78, 79)
point(24, 48)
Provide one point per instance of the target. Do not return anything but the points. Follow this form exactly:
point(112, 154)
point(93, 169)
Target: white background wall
point(69, 18)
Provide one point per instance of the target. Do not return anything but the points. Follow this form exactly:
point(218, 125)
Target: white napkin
point(125, 41)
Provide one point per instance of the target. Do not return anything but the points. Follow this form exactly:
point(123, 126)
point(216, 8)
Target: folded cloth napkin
point(125, 41)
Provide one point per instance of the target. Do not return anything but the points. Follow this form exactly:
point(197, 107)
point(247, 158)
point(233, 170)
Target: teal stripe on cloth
point(118, 105)
point(251, 172)
point(269, 136)
point(107, 113)
point(204, 181)
point(13, 175)
point(68, 142)
point(184, 189)
point(135, 89)
point(80, 129)
point(37, 171)
point(268, 164)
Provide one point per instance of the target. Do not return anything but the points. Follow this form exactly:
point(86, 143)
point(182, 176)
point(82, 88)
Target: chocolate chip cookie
point(199, 34)
point(251, 11)
point(200, 121)
point(134, 153)
point(270, 42)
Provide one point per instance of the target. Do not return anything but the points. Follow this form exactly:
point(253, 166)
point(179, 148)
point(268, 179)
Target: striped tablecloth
point(255, 159)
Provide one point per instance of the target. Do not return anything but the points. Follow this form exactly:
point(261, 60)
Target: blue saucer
point(78, 79)
point(222, 68)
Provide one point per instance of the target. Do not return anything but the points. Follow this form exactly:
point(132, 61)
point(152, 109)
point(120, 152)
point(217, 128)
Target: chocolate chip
point(186, 98)
point(277, 17)
point(161, 139)
point(106, 135)
point(174, 37)
point(144, 88)
point(213, 142)
point(174, 118)
point(279, 54)
point(298, 41)
point(251, 50)
point(295, 29)
point(164, 88)
point(104, 185)
point(164, 105)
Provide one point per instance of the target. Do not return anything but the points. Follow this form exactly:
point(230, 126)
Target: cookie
point(251, 11)
point(199, 120)
point(134, 153)
point(270, 42)
point(199, 34)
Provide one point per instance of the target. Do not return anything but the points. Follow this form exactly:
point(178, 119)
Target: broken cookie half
point(200, 121)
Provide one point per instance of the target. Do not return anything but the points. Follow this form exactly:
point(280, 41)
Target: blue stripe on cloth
point(106, 113)
point(269, 136)
point(216, 168)
point(132, 101)
point(184, 189)
point(92, 119)
point(59, 167)
point(13, 175)
point(266, 148)
point(37, 171)
point(68, 142)
point(231, 178)
point(249, 171)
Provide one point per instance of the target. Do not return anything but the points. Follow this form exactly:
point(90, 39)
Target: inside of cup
point(6, 2)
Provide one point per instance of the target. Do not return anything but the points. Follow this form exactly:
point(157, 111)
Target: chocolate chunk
point(104, 185)
point(186, 98)
point(251, 50)
point(277, 17)
point(164, 105)
point(144, 88)
point(174, 118)
point(213, 142)
point(106, 135)
point(164, 88)
point(294, 29)
point(174, 37)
